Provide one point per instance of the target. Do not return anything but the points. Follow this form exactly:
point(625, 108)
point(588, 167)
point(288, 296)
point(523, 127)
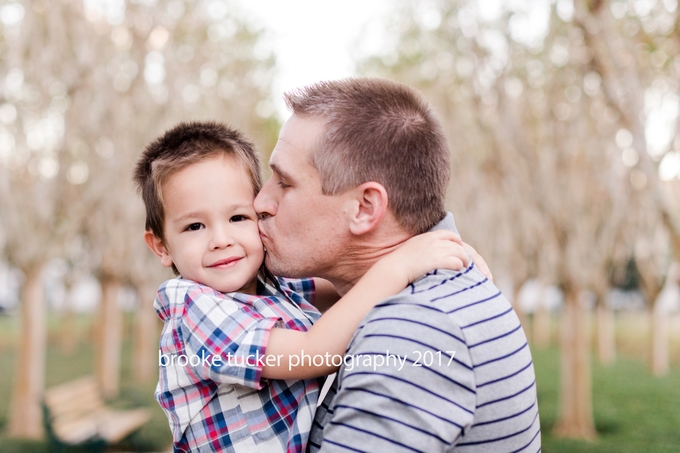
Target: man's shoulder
point(453, 293)
point(455, 303)
point(441, 282)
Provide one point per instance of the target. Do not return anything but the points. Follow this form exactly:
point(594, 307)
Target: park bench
point(74, 414)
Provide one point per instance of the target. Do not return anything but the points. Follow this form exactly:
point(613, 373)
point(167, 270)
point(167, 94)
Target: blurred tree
point(532, 137)
point(541, 325)
point(40, 207)
point(634, 49)
point(78, 266)
point(86, 86)
point(653, 259)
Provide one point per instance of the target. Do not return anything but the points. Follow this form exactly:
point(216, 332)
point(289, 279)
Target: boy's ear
point(368, 205)
point(156, 245)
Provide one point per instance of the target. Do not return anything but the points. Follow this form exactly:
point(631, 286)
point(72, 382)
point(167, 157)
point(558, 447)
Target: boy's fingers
point(448, 235)
point(451, 236)
point(457, 258)
point(479, 261)
point(460, 253)
point(465, 260)
point(486, 271)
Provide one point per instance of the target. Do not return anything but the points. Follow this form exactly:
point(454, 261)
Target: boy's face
point(211, 230)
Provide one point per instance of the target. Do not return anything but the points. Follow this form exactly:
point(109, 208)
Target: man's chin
point(272, 265)
point(279, 268)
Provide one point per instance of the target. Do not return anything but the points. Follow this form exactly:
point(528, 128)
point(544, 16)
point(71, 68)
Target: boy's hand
point(425, 252)
point(479, 261)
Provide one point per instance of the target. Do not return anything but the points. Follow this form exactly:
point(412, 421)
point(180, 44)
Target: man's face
point(301, 228)
point(210, 228)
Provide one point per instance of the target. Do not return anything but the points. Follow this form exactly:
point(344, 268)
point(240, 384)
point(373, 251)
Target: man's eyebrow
point(276, 169)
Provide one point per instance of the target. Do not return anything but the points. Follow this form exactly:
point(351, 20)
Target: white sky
point(316, 40)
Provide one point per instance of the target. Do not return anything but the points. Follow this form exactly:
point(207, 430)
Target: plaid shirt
point(225, 405)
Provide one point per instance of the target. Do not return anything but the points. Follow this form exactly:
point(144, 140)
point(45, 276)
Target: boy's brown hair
point(181, 146)
point(383, 131)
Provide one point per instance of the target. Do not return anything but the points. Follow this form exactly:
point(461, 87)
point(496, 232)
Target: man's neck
point(360, 257)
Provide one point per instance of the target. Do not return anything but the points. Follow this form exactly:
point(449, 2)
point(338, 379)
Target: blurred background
point(562, 117)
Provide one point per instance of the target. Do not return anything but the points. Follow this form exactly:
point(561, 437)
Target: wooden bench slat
point(120, 424)
point(78, 404)
point(76, 431)
point(64, 392)
point(77, 414)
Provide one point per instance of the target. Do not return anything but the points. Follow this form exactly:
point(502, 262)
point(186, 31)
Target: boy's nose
point(221, 238)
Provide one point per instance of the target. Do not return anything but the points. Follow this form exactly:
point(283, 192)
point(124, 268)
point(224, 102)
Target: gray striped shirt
point(442, 366)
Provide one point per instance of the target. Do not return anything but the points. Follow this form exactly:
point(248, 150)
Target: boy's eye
point(283, 185)
point(194, 227)
point(238, 218)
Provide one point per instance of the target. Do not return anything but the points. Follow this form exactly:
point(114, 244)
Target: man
point(362, 165)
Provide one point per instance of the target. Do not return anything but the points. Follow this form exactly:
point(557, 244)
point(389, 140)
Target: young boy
point(234, 373)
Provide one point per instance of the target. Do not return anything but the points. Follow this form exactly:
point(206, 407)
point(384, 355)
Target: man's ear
point(368, 207)
point(156, 245)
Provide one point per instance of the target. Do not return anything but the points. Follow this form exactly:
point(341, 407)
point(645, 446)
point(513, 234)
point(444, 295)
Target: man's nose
point(264, 204)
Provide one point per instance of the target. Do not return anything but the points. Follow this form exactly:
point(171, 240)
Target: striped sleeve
point(408, 385)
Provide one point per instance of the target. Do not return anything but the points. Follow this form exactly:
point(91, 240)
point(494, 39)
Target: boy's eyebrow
point(187, 216)
point(191, 214)
point(243, 205)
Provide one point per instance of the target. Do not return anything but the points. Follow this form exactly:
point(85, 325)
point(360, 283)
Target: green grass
point(634, 412)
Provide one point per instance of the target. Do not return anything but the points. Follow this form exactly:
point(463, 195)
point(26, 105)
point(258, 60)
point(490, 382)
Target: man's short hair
point(382, 131)
point(181, 146)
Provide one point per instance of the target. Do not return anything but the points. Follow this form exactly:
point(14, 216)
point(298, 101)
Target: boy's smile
point(211, 230)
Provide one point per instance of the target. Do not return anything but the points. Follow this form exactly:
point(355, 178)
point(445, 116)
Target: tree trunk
point(658, 329)
point(606, 334)
point(576, 411)
point(68, 339)
point(109, 339)
point(25, 418)
point(518, 309)
point(541, 323)
point(146, 336)
point(659, 354)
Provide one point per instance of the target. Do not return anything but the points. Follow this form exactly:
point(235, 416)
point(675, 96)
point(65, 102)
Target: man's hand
point(478, 260)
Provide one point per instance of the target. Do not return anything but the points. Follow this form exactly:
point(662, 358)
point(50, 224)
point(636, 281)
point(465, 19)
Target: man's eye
point(194, 227)
point(283, 185)
point(238, 218)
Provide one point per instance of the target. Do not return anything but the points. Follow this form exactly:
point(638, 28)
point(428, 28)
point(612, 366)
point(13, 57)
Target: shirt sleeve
point(407, 385)
point(225, 339)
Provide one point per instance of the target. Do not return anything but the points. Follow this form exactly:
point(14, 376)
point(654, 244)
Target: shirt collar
point(447, 223)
